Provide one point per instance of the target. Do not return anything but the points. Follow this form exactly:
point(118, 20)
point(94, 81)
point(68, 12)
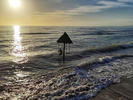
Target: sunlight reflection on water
point(18, 51)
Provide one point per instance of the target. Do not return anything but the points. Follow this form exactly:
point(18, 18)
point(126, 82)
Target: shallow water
point(28, 52)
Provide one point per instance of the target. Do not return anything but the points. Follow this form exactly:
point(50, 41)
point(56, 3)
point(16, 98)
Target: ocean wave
point(3, 46)
point(98, 33)
point(102, 60)
point(85, 84)
point(103, 33)
point(82, 84)
point(3, 32)
point(128, 30)
point(106, 49)
point(4, 41)
point(111, 48)
point(53, 56)
point(39, 33)
point(79, 83)
point(40, 46)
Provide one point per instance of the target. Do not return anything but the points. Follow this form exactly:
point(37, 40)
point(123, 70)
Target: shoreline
point(75, 84)
point(118, 91)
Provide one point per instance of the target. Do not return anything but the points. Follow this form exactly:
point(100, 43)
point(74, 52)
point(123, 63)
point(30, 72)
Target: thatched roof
point(64, 39)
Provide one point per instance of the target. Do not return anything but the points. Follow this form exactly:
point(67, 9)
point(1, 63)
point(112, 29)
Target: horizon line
point(67, 25)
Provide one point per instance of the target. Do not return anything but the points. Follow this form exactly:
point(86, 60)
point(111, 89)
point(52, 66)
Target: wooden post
point(64, 52)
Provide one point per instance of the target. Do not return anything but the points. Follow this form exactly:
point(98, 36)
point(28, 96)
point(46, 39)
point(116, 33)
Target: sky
point(67, 13)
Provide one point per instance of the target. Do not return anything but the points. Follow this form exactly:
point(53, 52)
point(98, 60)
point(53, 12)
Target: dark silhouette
point(60, 51)
point(65, 39)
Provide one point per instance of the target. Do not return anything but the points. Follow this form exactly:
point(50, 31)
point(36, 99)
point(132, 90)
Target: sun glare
point(18, 49)
point(15, 3)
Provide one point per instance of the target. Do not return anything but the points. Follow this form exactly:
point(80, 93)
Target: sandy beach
point(64, 86)
point(120, 91)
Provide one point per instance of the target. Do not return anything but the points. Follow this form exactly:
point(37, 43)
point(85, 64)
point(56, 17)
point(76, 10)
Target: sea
point(97, 58)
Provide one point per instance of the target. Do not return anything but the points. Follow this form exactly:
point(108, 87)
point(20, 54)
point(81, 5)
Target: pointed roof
point(64, 39)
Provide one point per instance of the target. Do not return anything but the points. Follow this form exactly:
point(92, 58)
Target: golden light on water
point(18, 50)
point(15, 3)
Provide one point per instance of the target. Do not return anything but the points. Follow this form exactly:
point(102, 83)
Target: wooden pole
point(64, 52)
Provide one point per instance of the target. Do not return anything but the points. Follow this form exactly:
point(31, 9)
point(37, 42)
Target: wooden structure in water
point(64, 39)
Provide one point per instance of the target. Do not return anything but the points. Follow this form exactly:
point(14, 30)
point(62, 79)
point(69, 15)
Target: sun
point(15, 3)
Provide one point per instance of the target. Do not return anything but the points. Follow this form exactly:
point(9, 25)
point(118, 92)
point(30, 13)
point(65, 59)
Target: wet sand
point(47, 87)
point(120, 91)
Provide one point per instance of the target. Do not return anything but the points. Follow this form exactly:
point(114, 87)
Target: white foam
point(82, 84)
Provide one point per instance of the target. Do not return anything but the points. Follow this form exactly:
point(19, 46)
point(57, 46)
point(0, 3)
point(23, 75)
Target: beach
point(121, 91)
point(98, 65)
point(70, 85)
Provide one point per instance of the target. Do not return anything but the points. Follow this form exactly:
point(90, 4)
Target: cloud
point(112, 4)
point(126, 1)
point(85, 9)
point(96, 8)
point(103, 5)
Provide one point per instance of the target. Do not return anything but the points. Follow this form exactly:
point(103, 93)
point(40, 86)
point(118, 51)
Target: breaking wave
point(83, 83)
point(110, 48)
point(107, 49)
point(35, 33)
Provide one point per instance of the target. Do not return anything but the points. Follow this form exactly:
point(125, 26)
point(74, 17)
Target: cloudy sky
point(67, 13)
